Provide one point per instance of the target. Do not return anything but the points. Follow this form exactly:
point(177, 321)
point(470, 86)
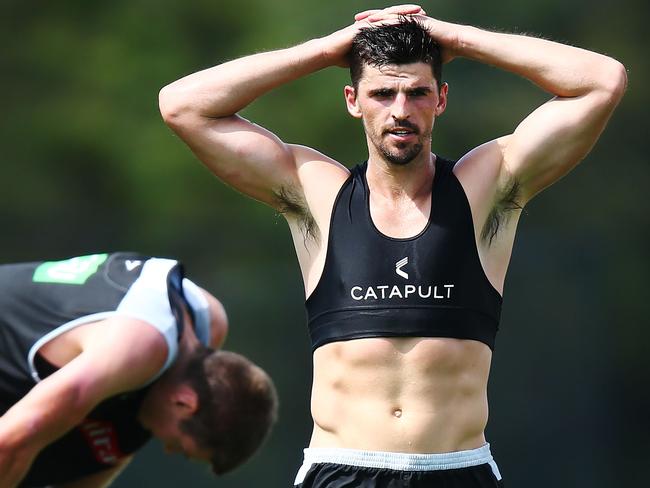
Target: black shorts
point(343, 468)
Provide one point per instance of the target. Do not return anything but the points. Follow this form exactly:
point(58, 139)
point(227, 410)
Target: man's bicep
point(553, 139)
point(244, 155)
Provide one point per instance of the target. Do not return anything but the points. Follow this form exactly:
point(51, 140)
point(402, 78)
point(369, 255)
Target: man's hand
point(445, 34)
point(338, 44)
point(375, 14)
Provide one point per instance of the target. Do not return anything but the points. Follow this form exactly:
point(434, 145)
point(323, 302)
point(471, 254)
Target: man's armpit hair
point(291, 203)
point(507, 201)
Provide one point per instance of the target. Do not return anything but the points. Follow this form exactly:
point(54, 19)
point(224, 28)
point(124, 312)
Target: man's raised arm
point(202, 109)
point(551, 140)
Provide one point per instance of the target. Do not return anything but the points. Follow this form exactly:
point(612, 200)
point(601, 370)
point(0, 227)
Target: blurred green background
point(88, 166)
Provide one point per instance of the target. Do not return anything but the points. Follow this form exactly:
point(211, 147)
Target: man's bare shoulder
point(492, 191)
point(309, 160)
point(483, 161)
point(320, 177)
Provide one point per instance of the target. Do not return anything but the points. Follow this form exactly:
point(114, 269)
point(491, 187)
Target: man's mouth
point(404, 129)
point(401, 132)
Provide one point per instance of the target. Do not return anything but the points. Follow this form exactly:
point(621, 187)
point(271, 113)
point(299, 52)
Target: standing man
point(98, 353)
point(403, 257)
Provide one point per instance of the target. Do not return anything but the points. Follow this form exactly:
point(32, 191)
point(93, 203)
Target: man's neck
point(396, 182)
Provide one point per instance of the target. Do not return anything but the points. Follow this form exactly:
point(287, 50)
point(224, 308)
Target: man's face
point(398, 105)
point(164, 410)
point(175, 441)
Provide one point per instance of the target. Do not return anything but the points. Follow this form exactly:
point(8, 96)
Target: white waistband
point(397, 460)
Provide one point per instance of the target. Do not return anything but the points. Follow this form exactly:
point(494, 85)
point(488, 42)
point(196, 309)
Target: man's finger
point(385, 17)
point(407, 9)
point(404, 9)
point(365, 14)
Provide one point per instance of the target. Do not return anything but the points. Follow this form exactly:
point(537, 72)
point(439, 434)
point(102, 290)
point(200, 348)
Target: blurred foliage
point(88, 165)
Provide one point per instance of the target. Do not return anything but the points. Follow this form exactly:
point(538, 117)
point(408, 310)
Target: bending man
point(98, 353)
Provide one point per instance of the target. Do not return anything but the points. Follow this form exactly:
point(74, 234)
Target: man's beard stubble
point(405, 152)
point(400, 158)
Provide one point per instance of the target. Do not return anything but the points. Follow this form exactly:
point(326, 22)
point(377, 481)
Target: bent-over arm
point(107, 365)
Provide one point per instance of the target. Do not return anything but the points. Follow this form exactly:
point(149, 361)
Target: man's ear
point(185, 400)
point(352, 102)
point(443, 93)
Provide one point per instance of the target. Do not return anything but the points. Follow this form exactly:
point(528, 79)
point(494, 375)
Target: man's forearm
point(225, 89)
point(562, 70)
point(14, 464)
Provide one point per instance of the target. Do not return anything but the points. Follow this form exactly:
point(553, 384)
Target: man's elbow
point(174, 108)
point(614, 81)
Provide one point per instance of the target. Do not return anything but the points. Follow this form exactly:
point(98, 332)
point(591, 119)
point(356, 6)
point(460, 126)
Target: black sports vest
point(430, 285)
point(35, 300)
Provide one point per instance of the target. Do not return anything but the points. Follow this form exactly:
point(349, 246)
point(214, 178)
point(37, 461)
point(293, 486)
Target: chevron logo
point(132, 264)
point(399, 265)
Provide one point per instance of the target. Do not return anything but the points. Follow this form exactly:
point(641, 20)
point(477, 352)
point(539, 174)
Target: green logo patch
point(74, 271)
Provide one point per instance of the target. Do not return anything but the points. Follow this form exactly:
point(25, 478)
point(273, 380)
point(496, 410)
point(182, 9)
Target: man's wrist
point(335, 46)
point(316, 52)
point(464, 40)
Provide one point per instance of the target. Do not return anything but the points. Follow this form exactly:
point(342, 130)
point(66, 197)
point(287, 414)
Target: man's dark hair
point(403, 43)
point(237, 406)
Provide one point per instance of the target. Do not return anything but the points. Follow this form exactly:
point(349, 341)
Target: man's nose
point(399, 108)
